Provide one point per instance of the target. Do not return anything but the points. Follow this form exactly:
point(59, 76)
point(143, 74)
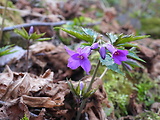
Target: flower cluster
point(80, 57)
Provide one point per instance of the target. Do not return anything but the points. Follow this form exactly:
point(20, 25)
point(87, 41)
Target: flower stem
point(89, 87)
point(27, 57)
point(94, 75)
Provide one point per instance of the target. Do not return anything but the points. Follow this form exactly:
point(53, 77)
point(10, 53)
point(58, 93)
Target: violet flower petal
point(86, 50)
point(76, 56)
point(73, 64)
point(119, 56)
point(111, 48)
point(81, 84)
point(79, 58)
point(70, 52)
point(116, 60)
point(102, 52)
point(124, 52)
point(86, 65)
point(94, 46)
point(31, 29)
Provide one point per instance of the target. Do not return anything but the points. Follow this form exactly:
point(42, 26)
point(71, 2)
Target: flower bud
point(31, 30)
point(102, 52)
point(81, 85)
point(94, 46)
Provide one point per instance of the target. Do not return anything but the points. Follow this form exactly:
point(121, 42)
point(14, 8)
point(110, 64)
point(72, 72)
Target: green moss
point(11, 17)
point(149, 115)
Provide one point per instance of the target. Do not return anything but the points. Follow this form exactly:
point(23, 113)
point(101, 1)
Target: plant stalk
point(88, 89)
point(27, 57)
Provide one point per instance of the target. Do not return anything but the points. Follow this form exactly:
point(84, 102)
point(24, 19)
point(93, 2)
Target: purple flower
point(102, 52)
point(31, 29)
point(79, 58)
point(117, 55)
point(94, 46)
point(81, 84)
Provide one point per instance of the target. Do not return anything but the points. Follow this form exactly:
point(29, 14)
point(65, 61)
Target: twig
point(34, 24)
point(43, 24)
point(104, 72)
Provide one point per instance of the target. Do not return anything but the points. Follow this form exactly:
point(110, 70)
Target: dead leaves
point(25, 93)
point(13, 85)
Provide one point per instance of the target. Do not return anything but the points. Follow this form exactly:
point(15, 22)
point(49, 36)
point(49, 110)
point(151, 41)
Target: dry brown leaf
point(56, 91)
point(46, 102)
point(133, 106)
point(42, 47)
point(14, 110)
point(14, 85)
point(5, 80)
point(94, 108)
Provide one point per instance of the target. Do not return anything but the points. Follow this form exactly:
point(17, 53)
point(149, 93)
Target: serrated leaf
point(91, 33)
point(109, 63)
point(80, 33)
point(128, 38)
point(133, 55)
point(112, 37)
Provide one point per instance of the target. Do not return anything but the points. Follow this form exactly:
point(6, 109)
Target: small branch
point(34, 24)
point(104, 72)
point(42, 24)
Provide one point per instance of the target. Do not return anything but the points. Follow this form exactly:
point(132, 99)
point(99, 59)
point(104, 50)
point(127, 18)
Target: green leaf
point(128, 38)
point(132, 63)
point(109, 63)
point(43, 39)
point(6, 50)
point(78, 89)
point(89, 93)
point(35, 36)
point(126, 69)
point(91, 33)
point(22, 32)
point(112, 37)
point(25, 118)
point(127, 45)
point(71, 87)
point(133, 55)
point(85, 34)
